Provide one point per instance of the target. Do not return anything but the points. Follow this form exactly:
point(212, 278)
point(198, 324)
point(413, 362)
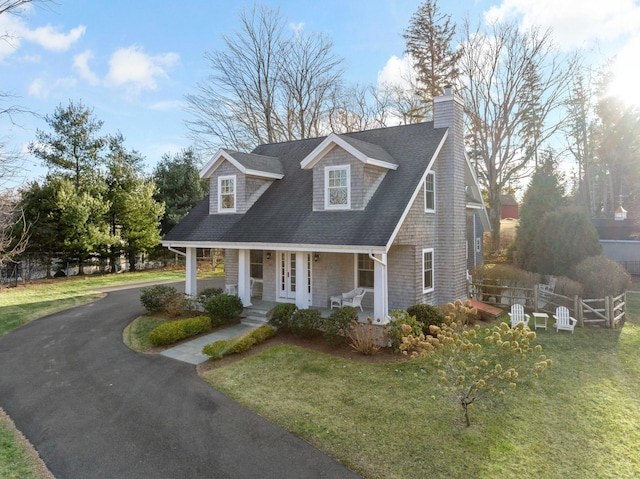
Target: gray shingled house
point(387, 210)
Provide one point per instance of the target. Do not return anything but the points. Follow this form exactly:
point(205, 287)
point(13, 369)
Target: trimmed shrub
point(169, 333)
point(154, 298)
point(206, 294)
point(602, 277)
point(223, 308)
point(305, 323)
point(176, 305)
point(280, 315)
point(335, 328)
point(507, 275)
point(239, 345)
point(217, 349)
point(427, 315)
point(567, 287)
point(394, 328)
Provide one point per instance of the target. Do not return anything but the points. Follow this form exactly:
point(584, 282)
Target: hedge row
point(169, 333)
point(239, 345)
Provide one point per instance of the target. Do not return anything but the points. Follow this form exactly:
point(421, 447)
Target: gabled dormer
point(346, 172)
point(237, 180)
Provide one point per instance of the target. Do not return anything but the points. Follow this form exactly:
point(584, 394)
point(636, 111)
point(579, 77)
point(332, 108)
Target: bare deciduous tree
point(514, 84)
point(269, 84)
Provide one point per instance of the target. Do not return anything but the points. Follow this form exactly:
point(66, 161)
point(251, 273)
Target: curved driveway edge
point(95, 409)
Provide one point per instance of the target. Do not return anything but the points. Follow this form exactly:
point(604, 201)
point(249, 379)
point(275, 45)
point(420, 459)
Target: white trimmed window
point(227, 194)
point(427, 270)
point(337, 180)
point(430, 192)
point(365, 271)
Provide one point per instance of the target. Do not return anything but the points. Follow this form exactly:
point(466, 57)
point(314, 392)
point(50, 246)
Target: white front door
point(286, 275)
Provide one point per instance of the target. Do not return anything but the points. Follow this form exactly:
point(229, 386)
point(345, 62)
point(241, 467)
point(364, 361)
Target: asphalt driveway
point(95, 409)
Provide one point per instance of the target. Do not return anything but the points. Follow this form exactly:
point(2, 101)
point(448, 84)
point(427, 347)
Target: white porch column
point(380, 289)
point(302, 293)
point(191, 283)
point(244, 276)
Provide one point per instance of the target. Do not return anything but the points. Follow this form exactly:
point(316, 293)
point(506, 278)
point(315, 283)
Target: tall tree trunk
point(494, 218)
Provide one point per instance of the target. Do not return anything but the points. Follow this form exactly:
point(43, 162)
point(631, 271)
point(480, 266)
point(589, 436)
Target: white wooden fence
point(608, 312)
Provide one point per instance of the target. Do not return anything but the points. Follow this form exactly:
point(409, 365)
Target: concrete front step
point(253, 316)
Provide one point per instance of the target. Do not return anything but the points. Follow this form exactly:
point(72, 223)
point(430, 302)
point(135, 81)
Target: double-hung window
point(227, 194)
point(427, 270)
point(337, 187)
point(365, 271)
point(430, 192)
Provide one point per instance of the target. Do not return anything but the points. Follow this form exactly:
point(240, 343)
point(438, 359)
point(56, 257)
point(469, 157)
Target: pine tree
point(428, 38)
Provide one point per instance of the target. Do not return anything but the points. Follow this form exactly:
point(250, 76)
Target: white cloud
point(41, 88)
point(297, 27)
point(575, 23)
point(167, 105)
point(51, 39)
point(81, 65)
point(134, 69)
point(397, 71)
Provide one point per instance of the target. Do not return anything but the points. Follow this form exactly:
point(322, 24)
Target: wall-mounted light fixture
point(268, 254)
point(316, 257)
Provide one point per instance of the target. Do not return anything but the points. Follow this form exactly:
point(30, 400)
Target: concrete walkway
point(191, 351)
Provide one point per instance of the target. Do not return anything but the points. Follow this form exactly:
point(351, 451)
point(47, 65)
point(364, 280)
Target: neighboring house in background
point(620, 240)
point(509, 207)
point(386, 210)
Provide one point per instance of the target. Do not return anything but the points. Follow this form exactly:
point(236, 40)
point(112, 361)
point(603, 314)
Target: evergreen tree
point(179, 186)
point(543, 195)
point(73, 147)
point(428, 41)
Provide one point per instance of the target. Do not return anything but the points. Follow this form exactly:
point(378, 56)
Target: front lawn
point(391, 421)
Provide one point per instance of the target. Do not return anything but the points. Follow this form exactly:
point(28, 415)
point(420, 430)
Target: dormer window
point(227, 194)
point(430, 192)
point(337, 187)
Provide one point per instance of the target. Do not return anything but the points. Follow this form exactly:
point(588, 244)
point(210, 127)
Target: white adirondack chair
point(354, 298)
point(518, 315)
point(564, 320)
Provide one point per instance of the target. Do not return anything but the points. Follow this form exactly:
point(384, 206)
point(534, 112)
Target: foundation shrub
point(567, 287)
point(206, 294)
point(305, 323)
point(394, 330)
point(280, 315)
point(154, 298)
point(335, 328)
point(223, 308)
point(427, 315)
point(169, 333)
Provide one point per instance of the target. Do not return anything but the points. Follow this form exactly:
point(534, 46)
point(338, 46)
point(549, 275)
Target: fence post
point(608, 311)
point(535, 298)
point(577, 307)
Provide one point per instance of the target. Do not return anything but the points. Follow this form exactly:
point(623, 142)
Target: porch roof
point(284, 213)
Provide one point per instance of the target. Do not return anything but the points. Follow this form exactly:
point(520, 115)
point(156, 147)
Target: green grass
point(17, 459)
point(26, 303)
point(136, 334)
point(579, 419)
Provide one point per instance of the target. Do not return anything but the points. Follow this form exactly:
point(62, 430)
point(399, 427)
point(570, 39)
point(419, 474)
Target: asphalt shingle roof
point(284, 213)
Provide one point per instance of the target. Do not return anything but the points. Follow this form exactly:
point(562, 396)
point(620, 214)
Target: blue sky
point(133, 61)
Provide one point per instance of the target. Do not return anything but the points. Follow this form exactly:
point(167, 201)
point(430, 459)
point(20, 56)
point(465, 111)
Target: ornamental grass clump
point(473, 363)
